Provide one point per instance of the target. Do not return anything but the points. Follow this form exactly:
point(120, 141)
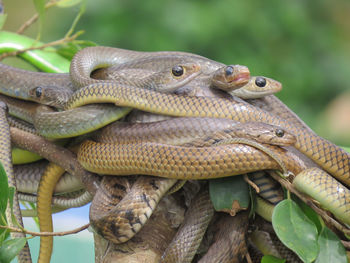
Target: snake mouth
point(241, 79)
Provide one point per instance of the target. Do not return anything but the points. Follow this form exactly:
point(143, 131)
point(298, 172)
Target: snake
point(185, 162)
point(151, 241)
point(131, 211)
point(329, 156)
point(47, 184)
point(275, 106)
point(226, 78)
point(17, 83)
point(264, 208)
point(269, 244)
point(229, 243)
point(6, 161)
point(52, 124)
point(109, 216)
point(322, 187)
point(89, 59)
point(270, 190)
point(259, 87)
point(73, 123)
point(68, 200)
point(28, 177)
point(190, 234)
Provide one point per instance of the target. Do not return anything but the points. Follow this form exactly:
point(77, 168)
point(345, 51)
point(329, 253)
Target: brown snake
point(329, 156)
point(188, 238)
point(6, 161)
point(121, 222)
point(229, 239)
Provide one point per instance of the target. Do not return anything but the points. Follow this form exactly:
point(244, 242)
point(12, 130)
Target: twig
point(53, 43)
point(35, 17)
point(307, 200)
point(57, 154)
point(63, 233)
point(251, 183)
point(248, 258)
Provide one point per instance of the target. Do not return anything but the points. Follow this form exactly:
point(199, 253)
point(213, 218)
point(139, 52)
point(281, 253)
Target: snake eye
point(38, 92)
point(228, 70)
point(279, 133)
point(260, 82)
point(177, 71)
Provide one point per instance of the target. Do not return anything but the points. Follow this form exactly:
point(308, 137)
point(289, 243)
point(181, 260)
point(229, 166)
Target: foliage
point(230, 194)
point(298, 230)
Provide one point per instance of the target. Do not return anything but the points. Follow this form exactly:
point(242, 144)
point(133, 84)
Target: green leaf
point(331, 248)
point(68, 3)
point(68, 50)
point(230, 194)
point(40, 8)
point(10, 249)
point(76, 20)
point(295, 230)
point(4, 234)
point(3, 203)
point(271, 259)
point(310, 213)
point(2, 20)
point(4, 190)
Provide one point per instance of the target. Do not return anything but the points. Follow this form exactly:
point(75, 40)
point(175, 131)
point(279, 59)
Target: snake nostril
point(279, 133)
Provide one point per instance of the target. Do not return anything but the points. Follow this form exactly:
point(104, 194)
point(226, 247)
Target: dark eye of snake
point(38, 92)
point(177, 71)
point(260, 82)
point(228, 70)
point(279, 133)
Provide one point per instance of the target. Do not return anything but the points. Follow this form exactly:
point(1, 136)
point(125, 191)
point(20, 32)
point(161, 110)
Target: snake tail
point(47, 185)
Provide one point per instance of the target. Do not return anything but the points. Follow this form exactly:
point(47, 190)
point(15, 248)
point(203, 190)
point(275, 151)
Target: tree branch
point(63, 233)
point(53, 43)
point(35, 17)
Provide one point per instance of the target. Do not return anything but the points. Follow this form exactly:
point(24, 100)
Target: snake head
point(257, 87)
point(265, 133)
point(230, 77)
point(50, 95)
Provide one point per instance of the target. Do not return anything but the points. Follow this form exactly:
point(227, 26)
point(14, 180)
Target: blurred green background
point(303, 44)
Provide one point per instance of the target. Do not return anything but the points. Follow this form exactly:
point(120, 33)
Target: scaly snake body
point(6, 161)
point(329, 156)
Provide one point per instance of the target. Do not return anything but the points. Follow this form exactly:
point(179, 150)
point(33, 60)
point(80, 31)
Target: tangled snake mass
point(141, 134)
